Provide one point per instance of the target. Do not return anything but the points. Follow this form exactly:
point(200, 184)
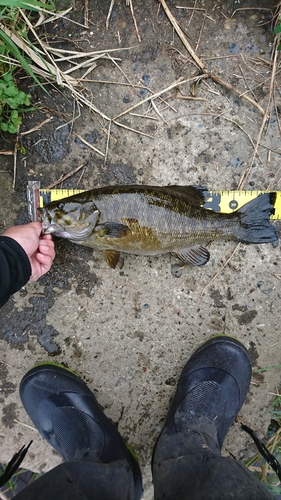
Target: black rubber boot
point(67, 415)
point(211, 390)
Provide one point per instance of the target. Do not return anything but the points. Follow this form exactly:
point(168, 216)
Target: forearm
point(15, 269)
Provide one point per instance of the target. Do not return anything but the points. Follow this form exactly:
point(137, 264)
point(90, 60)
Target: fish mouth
point(42, 212)
point(48, 227)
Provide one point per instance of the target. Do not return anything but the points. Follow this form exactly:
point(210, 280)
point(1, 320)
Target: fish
point(152, 220)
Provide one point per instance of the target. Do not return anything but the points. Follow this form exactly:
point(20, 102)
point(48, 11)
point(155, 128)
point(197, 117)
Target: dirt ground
point(129, 332)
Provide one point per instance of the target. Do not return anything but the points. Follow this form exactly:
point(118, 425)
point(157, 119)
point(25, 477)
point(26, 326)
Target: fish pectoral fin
point(112, 230)
point(113, 259)
point(193, 256)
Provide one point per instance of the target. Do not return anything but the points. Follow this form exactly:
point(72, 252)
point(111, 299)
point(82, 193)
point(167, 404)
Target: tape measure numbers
point(48, 195)
point(229, 201)
point(218, 201)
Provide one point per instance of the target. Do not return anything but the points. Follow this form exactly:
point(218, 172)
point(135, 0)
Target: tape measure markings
point(219, 201)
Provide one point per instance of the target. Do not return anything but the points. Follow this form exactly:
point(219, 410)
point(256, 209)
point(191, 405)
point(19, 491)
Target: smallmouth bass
point(151, 220)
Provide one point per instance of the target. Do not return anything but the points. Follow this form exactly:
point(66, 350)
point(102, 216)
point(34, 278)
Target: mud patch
point(253, 353)
point(218, 298)
point(22, 326)
point(18, 328)
point(70, 269)
point(247, 317)
point(254, 356)
point(50, 147)
point(9, 415)
point(6, 387)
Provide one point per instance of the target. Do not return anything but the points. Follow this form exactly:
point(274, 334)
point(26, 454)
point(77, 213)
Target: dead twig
point(86, 14)
point(15, 164)
point(109, 14)
point(180, 81)
point(192, 12)
point(246, 82)
point(248, 8)
point(187, 98)
point(200, 32)
point(216, 116)
point(142, 116)
point(107, 141)
point(131, 129)
point(219, 272)
point(158, 112)
point(236, 91)
point(199, 62)
point(246, 173)
point(182, 36)
point(130, 4)
point(89, 145)
point(21, 134)
point(67, 175)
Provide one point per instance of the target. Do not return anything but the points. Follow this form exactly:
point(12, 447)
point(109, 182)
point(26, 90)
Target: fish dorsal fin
point(193, 256)
point(113, 258)
point(192, 194)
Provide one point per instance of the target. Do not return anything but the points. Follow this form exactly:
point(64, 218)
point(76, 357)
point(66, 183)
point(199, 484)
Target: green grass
point(18, 481)
point(256, 463)
point(14, 28)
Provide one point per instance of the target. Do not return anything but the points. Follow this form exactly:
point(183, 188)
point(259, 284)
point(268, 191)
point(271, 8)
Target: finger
point(37, 226)
point(46, 237)
point(45, 261)
point(47, 247)
point(48, 254)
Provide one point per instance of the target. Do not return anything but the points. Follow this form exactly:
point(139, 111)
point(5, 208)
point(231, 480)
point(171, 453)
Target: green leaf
point(12, 129)
point(21, 96)
point(12, 91)
point(4, 127)
point(28, 4)
point(16, 121)
point(26, 101)
point(16, 53)
point(276, 30)
point(12, 103)
point(8, 77)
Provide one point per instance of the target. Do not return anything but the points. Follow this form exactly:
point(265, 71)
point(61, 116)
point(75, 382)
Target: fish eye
point(60, 206)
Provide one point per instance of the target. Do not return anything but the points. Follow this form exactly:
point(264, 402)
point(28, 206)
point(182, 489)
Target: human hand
point(39, 249)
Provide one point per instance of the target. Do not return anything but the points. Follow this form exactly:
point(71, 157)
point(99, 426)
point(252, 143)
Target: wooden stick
point(89, 144)
point(67, 175)
point(183, 37)
point(219, 272)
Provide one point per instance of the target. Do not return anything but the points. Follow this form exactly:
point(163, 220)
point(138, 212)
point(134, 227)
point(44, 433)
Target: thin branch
point(21, 134)
point(89, 144)
point(219, 272)
point(67, 175)
point(246, 173)
point(130, 3)
point(180, 81)
point(182, 36)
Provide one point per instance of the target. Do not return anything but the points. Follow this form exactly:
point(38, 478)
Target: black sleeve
point(15, 269)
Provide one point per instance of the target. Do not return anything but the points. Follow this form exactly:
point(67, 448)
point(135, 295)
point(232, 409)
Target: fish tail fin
point(255, 226)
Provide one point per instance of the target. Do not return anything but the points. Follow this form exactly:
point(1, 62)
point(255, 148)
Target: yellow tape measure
point(218, 201)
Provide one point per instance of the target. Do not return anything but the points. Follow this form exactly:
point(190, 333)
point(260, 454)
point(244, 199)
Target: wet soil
point(129, 332)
